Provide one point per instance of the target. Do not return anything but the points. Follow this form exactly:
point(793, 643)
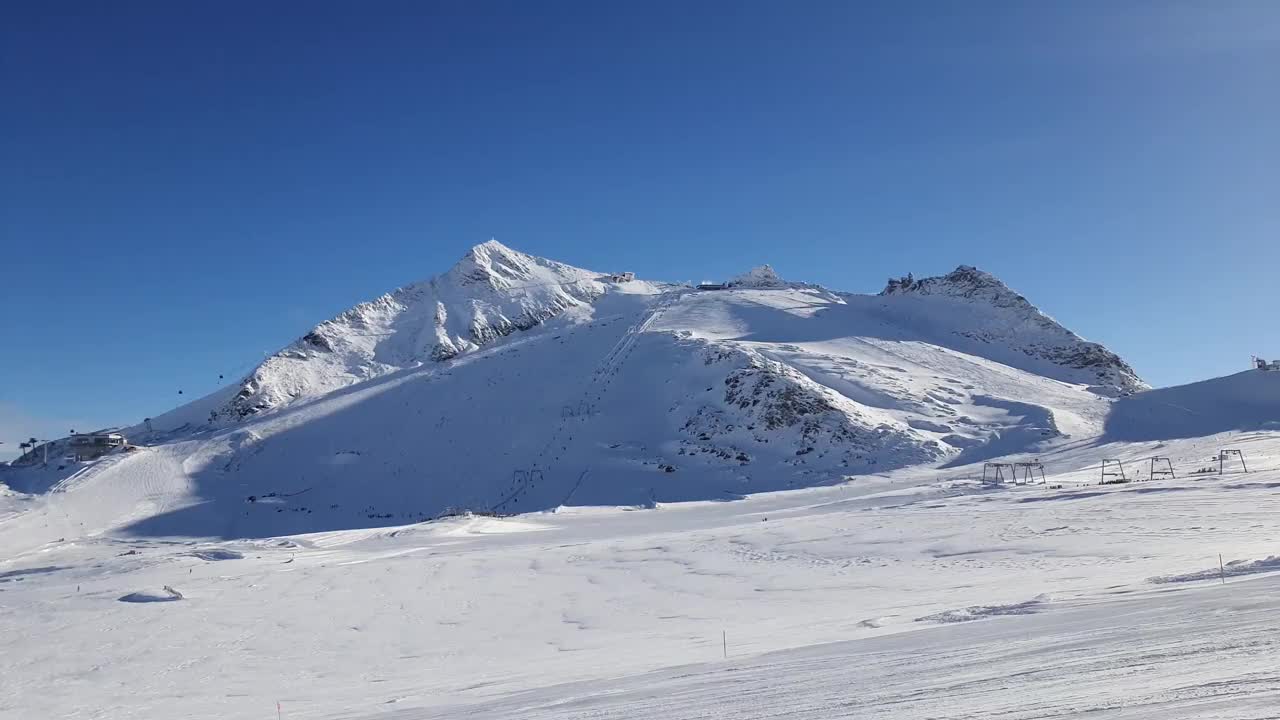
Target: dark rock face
point(781, 405)
point(766, 402)
point(763, 276)
point(964, 282)
point(317, 341)
point(486, 332)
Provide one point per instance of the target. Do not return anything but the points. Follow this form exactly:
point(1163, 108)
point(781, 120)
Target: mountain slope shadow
point(527, 432)
point(1248, 400)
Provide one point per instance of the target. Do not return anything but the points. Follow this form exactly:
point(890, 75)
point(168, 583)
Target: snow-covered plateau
point(523, 489)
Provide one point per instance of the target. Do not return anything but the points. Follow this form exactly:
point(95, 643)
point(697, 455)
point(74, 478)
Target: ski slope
point(912, 596)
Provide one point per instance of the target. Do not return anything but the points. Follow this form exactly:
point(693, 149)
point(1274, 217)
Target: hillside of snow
point(514, 384)
point(1246, 401)
point(921, 595)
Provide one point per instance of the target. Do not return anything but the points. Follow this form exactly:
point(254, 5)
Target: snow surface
point(777, 472)
point(916, 596)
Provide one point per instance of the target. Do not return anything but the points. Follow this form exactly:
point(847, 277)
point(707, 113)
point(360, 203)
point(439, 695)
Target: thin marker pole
point(1222, 573)
point(724, 640)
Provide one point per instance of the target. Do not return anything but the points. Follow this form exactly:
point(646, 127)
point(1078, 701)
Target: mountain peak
point(965, 281)
point(490, 247)
point(491, 292)
point(763, 276)
point(1057, 344)
point(494, 264)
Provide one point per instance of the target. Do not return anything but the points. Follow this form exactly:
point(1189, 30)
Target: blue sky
point(185, 186)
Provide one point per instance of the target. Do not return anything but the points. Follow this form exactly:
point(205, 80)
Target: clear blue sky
point(184, 186)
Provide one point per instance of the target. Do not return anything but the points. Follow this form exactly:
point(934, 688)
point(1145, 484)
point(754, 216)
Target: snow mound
point(215, 554)
point(1248, 400)
point(983, 612)
point(1271, 563)
point(144, 596)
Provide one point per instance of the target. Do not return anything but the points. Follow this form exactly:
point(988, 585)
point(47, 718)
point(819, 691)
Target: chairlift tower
point(1028, 472)
point(1161, 467)
point(1113, 468)
point(1223, 455)
point(997, 473)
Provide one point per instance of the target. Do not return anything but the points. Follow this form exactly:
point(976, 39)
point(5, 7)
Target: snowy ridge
point(1022, 326)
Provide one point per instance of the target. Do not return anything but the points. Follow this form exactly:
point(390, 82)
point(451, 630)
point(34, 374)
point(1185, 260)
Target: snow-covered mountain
point(495, 291)
point(513, 383)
